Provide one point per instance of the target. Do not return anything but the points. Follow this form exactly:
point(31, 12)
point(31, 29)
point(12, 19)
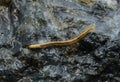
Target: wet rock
point(9, 66)
point(25, 79)
point(5, 2)
point(93, 41)
point(111, 50)
point(109, 3)
point(8, 75)
point(95, 58)
point(5, 30)
point(8, 61)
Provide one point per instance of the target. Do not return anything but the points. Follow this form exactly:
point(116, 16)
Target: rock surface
point(95, 58)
